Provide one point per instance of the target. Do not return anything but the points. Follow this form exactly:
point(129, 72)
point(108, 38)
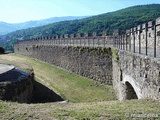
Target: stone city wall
point(140, 36)
point(135, 76)
point(145, 31)
point(79, 40)
point(91, 62)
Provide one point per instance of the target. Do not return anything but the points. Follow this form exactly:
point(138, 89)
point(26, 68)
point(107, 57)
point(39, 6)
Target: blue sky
point(15, 11)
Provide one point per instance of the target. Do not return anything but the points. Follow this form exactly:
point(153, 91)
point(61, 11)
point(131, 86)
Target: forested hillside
point(10, 27)
point(121, 19)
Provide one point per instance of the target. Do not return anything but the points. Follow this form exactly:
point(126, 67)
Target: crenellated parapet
point(144, 36)
point(67, 36)
point(79, 39)
point(142, 39)
point(145, 31)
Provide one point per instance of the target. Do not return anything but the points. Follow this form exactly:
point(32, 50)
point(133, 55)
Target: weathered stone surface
point(136, 74)
point(133, 75)
point(4, 68)
point(15, 85)
point(94, 63)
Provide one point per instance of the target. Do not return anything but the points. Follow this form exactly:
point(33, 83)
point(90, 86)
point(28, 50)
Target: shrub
point(2, 50)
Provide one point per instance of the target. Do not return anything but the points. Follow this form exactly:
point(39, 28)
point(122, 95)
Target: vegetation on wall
point(115, 55)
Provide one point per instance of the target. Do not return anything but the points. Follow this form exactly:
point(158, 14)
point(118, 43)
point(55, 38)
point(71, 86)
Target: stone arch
point(130, 92)
point(130, 82)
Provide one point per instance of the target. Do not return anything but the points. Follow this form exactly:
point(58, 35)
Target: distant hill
point(122, 19)
point(7, 27)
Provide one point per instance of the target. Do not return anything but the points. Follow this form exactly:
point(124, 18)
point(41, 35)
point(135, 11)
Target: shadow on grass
point(42, 94)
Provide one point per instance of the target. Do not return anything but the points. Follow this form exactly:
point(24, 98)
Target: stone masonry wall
point(133, 75)
point(139, 32)
point(17, 86)
point(94, 63)
point(141, 72)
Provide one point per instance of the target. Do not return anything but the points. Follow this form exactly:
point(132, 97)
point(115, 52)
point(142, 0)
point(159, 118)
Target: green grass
point(2, 107)
point(70, 86)
point(113, 110)
point(108, 110)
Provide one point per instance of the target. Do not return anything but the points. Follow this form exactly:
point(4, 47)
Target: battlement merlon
point(158, 21)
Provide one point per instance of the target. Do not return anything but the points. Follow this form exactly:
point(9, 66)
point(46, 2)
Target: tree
point(2, 50)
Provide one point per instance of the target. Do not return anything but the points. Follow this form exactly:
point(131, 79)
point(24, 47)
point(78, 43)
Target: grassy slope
point(70, 86)
point(81, 111)
point(65, 83)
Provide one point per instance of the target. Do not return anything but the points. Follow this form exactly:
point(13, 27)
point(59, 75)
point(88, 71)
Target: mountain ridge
point(10, 27)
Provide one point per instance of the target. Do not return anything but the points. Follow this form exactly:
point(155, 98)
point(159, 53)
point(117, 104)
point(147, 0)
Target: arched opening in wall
point(130, 92)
